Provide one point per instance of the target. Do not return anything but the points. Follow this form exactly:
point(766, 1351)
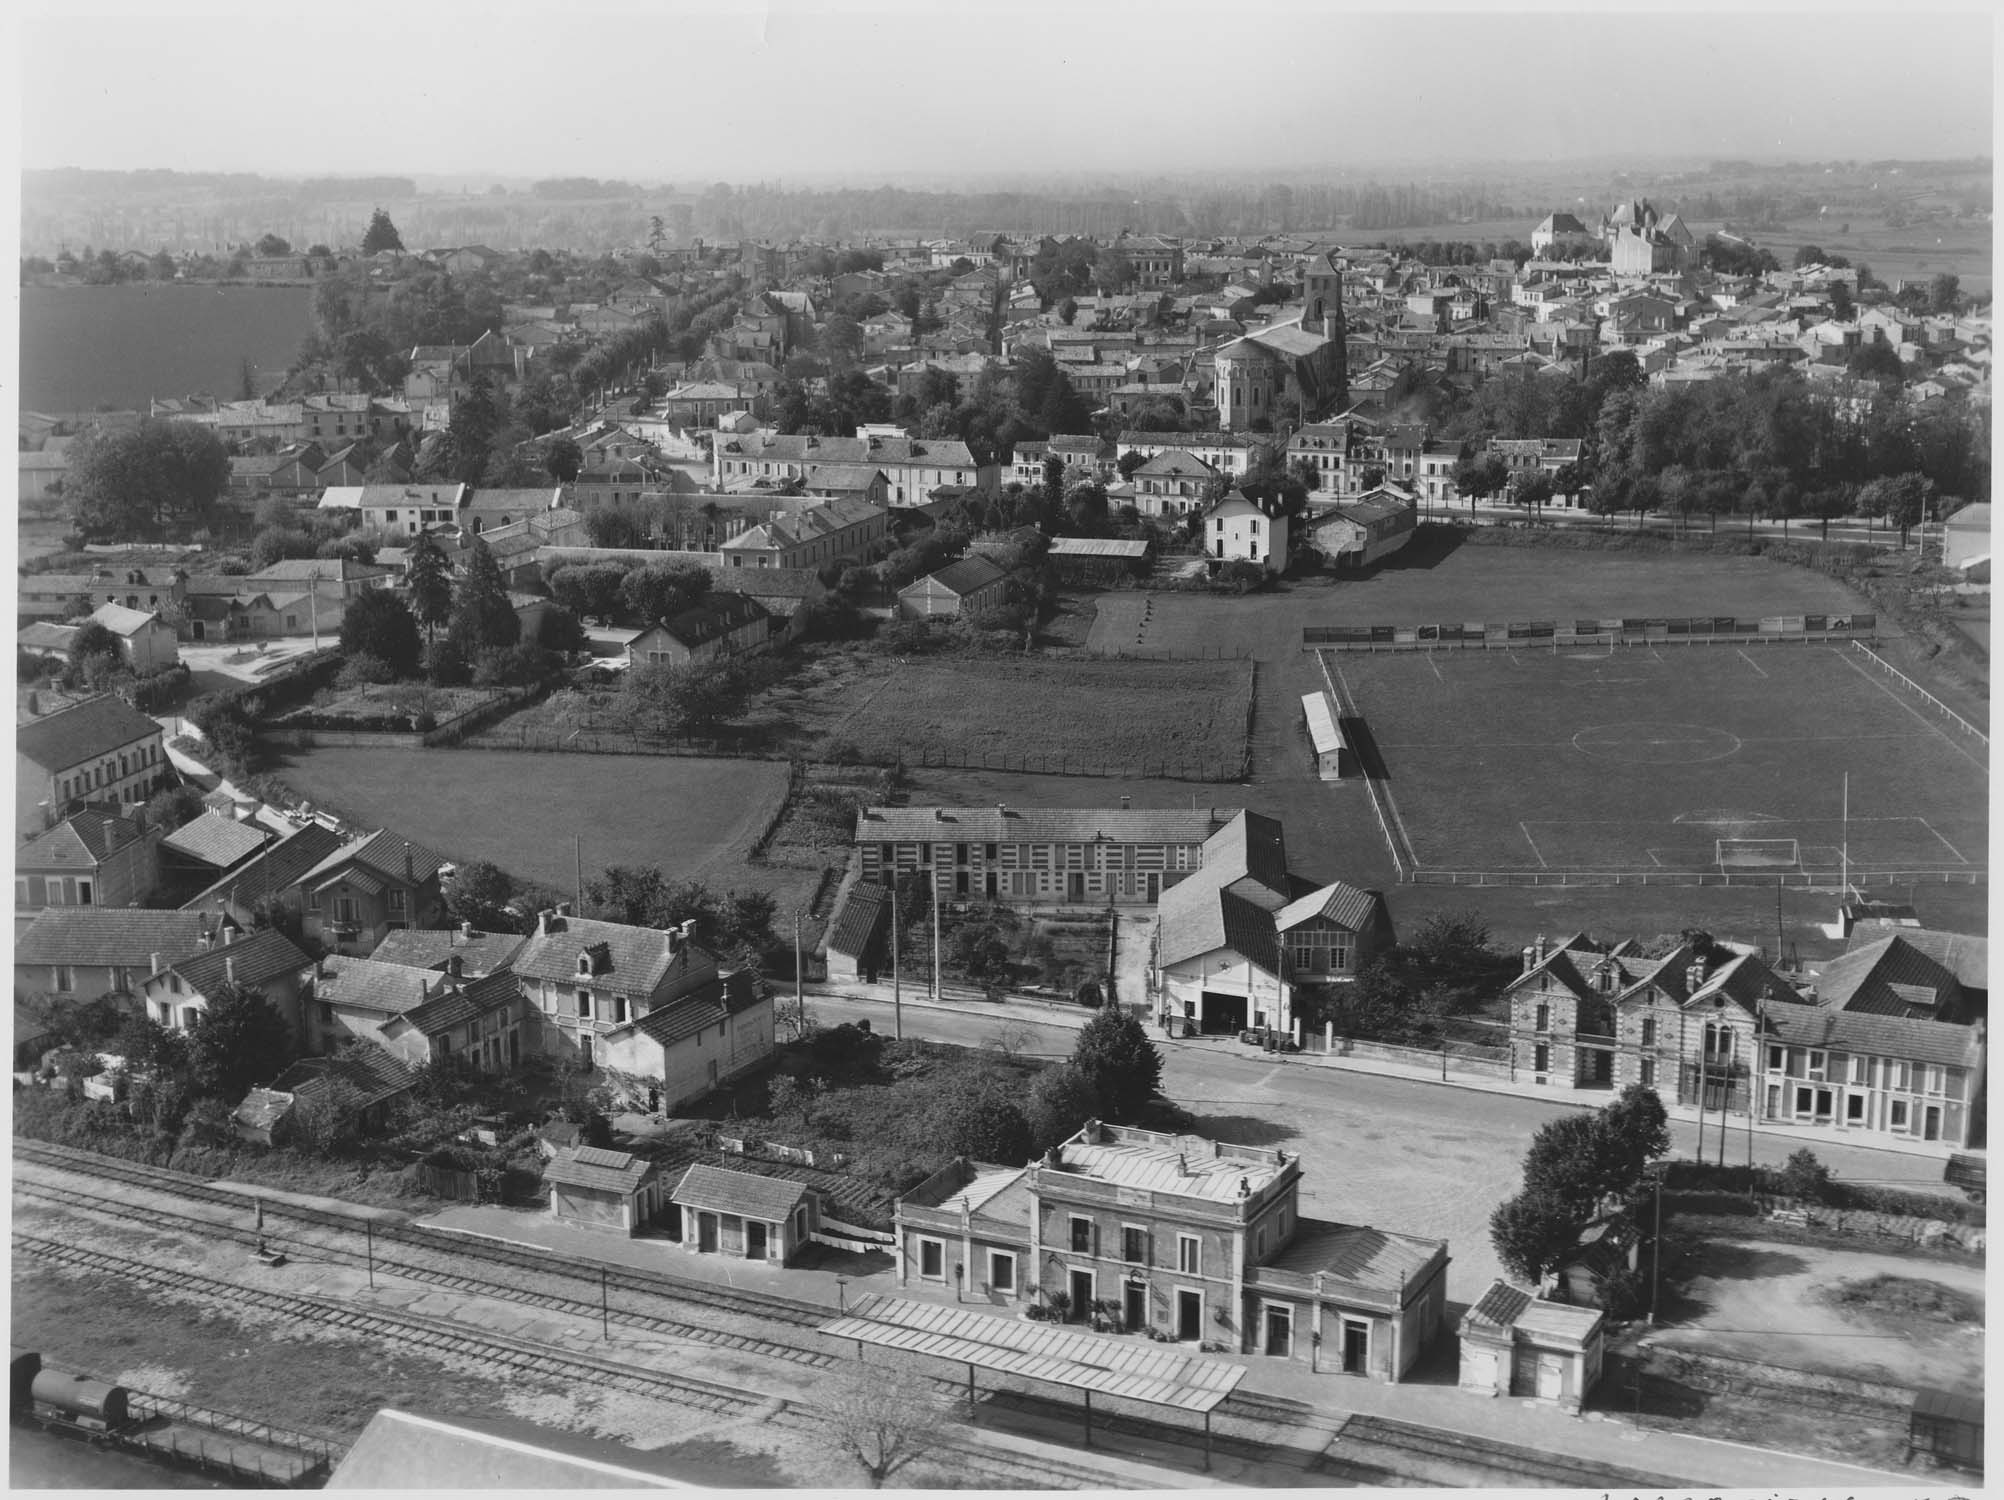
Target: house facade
point(1516, 1344)
point(144, 642)
point(1097, 856)
point(176, 993)
point(368, 888)
point(102, 751)
point(1172, 483)
point(744, 1215)
point(722, 625)
point(1357, 533)
point(76, 954)
point(1242, 529)
point(89, 859)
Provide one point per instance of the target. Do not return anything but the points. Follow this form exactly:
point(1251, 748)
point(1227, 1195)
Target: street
point(1393, 1153)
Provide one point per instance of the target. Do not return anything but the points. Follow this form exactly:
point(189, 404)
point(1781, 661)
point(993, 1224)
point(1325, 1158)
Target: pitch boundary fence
point(1494, 635)
point(1830, 879)
point(1405, 862)
point(1922, 693)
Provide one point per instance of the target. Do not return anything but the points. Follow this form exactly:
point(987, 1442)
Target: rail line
point(152, 1215)
point(459, 1248)
point(439, 1336)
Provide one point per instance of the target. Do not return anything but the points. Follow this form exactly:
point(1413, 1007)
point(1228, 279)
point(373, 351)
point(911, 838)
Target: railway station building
point(1130, 1230)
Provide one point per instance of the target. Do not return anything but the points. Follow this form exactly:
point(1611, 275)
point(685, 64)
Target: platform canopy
point(1135, 1370)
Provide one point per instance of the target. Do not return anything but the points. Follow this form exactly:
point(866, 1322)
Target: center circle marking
point(1653, 743)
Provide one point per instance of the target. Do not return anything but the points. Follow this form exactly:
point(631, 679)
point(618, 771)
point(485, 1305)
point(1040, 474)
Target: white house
point(1239, 528)
point(146, 644)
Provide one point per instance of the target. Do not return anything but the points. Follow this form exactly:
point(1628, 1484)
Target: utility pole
point(935, 941)
point(1656, 1248)
point(577, 858)
point(313, 603)
point(799, 998)
point(897, 983)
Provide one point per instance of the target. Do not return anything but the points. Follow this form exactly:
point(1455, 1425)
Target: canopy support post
point(1207, 1440)
point(1088, 1419)
point(970, 1390)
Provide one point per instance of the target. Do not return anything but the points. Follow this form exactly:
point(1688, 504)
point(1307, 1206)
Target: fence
point(1827, 878)
point(1399, 846)
point(1164, 653)
point(1922, 693)
point(1046, 763)
point(1697, 630)
point(1447, 1059)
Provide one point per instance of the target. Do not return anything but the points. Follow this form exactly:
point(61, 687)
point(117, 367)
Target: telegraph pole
point(935, 941)
point(799, 999)
point(897, 983)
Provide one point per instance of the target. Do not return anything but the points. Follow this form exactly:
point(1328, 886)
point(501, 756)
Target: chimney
point(455, 966)
point(1126, 803)
point(1001, 809)
point(1182, 1166)
point(410, 876)
point(563, 908)
point(230, 969)
point(1694, 976)
point(229, 933)
point(466, 932)
point(204, 938)
point(156, 962)
point(1530, 958)
point(543, 927)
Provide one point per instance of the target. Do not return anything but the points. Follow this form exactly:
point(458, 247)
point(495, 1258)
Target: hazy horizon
point(828, 93)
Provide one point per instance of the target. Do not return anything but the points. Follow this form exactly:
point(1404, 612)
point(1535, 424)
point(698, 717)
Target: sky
point(788, 90)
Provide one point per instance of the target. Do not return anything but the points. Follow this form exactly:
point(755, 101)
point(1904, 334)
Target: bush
point(365, 670)
point(1803, 1176)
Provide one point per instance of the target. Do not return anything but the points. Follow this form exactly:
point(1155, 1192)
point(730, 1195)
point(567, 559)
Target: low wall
point(1726, 1373)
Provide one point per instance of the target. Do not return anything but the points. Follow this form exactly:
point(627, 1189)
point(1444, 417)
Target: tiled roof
point(433, 948)
point(96, 727)
point(388, 854)
point(1342, 903)
point(721, 1190)
point(638, 957)
point(265, 954)
point(1253, 845)
point(365, 984)
point(217, 839)
point(704, 1007)
point(1039, 825)
point(712, 620)
point(865, 913)
point(1362, 1256)
point(122, 621)
point(963, 577)
point(1498, 1307)
point(1860, 1032)
point(84, 837)
point(42, 636)
point(596, 1168)
point(1966, 957)
point(353, 1080)
point(96, 936)
point(1886, 978)
point(463, 1002)
point(281, 867)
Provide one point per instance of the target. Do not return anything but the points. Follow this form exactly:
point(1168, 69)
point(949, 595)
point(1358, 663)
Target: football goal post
point(1758, 854)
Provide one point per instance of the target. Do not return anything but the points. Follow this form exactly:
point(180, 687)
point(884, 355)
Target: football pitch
point(1695, 761)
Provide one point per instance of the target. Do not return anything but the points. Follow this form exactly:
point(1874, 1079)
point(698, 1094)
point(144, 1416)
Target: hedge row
point(1695, 1179)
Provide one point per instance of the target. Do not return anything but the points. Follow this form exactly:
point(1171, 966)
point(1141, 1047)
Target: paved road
point(1389, 1152)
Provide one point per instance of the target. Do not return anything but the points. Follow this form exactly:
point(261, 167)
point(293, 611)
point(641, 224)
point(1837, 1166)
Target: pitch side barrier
point(1861, 876)
point(1694, 630)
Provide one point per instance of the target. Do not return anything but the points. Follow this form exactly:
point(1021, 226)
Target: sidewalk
point(1073, 1017)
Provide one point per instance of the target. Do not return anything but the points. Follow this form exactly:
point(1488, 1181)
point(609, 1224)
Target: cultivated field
point(1167, 719)
point(1639, 760)
point(696, 819)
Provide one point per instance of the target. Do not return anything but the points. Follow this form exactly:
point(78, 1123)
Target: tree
point(1877, 360)
point(170, 808)
point(982, 1122)
point(94, 651)
point(883, 1417)
point(129, 483)
point(564, 459)
point(588, 590)
point(271, 244)
point(978, 951)
point(1060, 1101)
point(1943, 293)
point(1638, 1130)
point(1576, 1161)
point(1114, 1055)
point(429, 577)
point(1533, 1234)
point(482, 618)
point(239, 1039)
point(655, 593)
point(379, 624)
point(381, 234)
point(1803, 1176)
point(480, 893)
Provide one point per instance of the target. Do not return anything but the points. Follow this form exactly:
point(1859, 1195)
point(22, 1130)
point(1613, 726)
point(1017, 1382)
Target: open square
point(1693, 761)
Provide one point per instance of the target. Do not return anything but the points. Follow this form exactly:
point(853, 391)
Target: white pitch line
point(1751, 662)
point(1944, 842)
point(1938, 731)
point(1525, 830)
point(1436, 667)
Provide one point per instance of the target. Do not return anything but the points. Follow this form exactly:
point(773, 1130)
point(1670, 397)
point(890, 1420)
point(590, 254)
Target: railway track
point(410, 1270)
point(457, 1248)
point(1368, 1447)
point(437, 1336)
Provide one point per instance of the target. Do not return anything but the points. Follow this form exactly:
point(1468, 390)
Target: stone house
point(960, 589)
point(1243, 529)
point(89, 859)
point(176, 992)
point(724, 624)
point(368, 888)
point(715, 1211)
point(102, 751)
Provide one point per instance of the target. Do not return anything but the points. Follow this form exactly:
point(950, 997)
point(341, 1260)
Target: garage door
point(1551, 1376)
point(1523, 1371)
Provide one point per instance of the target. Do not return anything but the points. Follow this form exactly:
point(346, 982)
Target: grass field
point(696, 819)
point(1177, 719)
point(1640, 760)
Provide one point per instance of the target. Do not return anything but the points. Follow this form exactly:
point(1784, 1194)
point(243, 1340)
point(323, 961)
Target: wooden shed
point(611, 1191)
point(1516, 1344)
point(1333, 758)
point(1947, 1426)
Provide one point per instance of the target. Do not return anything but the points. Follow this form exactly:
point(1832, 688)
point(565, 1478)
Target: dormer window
point(584, 963)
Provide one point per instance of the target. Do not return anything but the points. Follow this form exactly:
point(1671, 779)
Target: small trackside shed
point(1947, 1426)
point(744, 1214)
point(609, 1191)
point(1517, 1344)
point(1334, 759)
